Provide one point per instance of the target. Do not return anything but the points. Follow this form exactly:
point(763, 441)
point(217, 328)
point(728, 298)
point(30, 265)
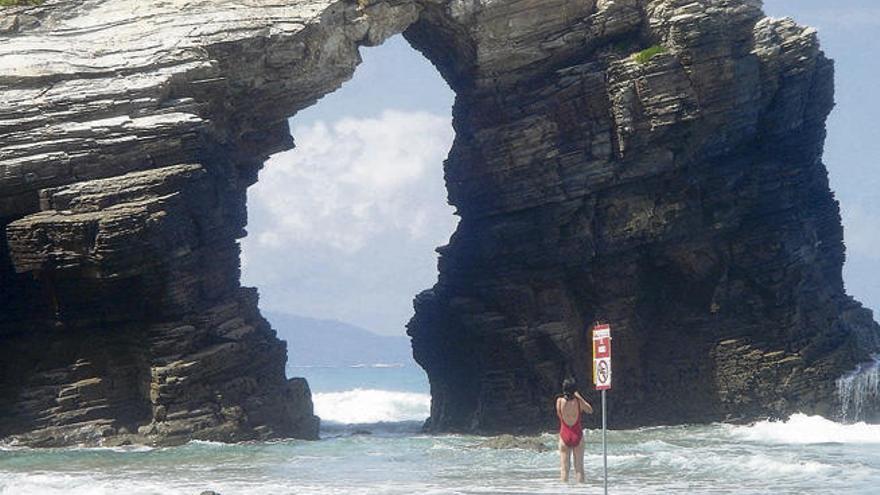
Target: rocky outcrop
point(145, 335)
point(508, 442)
point(679, 195)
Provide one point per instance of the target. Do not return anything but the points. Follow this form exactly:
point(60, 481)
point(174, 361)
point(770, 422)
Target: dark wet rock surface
point(504, 442)
point(681, 198)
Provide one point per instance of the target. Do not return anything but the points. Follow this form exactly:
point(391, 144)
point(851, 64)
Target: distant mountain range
point(316, 342)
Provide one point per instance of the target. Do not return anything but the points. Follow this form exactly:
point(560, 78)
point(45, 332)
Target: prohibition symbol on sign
point(602, 372)
point(602, 357)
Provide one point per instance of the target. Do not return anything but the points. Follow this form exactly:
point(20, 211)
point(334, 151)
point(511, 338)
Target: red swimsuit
point(571, 435)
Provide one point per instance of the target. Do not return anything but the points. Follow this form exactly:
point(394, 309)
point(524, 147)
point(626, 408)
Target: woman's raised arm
point(585, 406)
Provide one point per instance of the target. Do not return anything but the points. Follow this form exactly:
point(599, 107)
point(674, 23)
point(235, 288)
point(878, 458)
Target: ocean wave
point(49, 483)
point(378, 365)
point(754, 465)
point(208, 443)
point(121, 448)
point(775, 466)
point(345, 366)
point(6, 447)
point(804, 429)
point(366, 406)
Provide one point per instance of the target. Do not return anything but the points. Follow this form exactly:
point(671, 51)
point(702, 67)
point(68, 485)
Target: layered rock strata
point(659, 168)
point(655, 164)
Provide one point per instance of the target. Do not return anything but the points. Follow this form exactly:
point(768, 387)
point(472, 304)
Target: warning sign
point(602, 357)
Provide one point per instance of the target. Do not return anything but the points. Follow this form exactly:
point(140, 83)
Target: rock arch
point(680, 195)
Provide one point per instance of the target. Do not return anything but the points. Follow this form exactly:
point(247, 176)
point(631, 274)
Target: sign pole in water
point(602, 380)
point(604, 446)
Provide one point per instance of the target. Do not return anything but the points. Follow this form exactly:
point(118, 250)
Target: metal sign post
point(602, 380)
point(604, 446)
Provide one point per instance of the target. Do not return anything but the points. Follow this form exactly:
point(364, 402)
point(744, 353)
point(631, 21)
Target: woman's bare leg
point(564, 461)
point(579, 461)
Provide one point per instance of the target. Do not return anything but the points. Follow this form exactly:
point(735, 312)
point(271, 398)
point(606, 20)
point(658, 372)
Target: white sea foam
point(362, 406)
point(49, 483)
point(378, 365)
point(10, 446)
point(859, 391)
point(121, 448)
point(749, 465)
point(770, 467)
point(5, 447)
point(656, 462)
point(803, 429)
point(208, 443)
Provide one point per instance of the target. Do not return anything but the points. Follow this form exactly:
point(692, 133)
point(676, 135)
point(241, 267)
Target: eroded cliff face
point(681, 197)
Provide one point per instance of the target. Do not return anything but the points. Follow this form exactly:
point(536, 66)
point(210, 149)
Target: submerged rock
point(679, 196)
point(513, 442)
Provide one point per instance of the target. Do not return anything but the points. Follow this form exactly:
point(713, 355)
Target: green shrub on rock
point(648, 53)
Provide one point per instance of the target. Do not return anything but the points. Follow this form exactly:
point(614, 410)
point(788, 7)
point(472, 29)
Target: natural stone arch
point(682, 198)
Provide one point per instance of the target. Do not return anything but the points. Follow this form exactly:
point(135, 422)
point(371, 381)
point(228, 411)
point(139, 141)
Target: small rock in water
point(361, 432)
point(209, 492)
point(512, 442)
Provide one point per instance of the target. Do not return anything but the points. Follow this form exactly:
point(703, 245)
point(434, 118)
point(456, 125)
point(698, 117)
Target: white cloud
point(347, 181)
point(344, 226)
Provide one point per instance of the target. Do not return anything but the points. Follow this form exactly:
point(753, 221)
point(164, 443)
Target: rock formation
point(652, 163)
point(507, 442)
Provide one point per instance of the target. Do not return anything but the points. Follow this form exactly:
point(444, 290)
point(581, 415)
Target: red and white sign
point(602, 357)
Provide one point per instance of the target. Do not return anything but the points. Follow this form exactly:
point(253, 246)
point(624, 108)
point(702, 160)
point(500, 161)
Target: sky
point(345, 225)
point(849, 31)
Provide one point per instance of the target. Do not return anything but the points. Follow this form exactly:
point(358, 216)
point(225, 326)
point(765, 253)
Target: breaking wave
point(378, 365)
point(337, 366)
point(859, 391)
point(804, 429)
point(366, 406)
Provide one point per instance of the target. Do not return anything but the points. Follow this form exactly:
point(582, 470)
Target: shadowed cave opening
point(342, 232)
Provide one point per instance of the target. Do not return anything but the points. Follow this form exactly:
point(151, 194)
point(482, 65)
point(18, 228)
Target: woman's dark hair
point(569, 387)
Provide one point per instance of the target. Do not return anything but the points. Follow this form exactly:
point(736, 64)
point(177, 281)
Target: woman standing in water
point(569, 408)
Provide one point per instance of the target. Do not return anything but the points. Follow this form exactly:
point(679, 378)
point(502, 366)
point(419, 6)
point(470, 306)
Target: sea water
point(804, 455)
